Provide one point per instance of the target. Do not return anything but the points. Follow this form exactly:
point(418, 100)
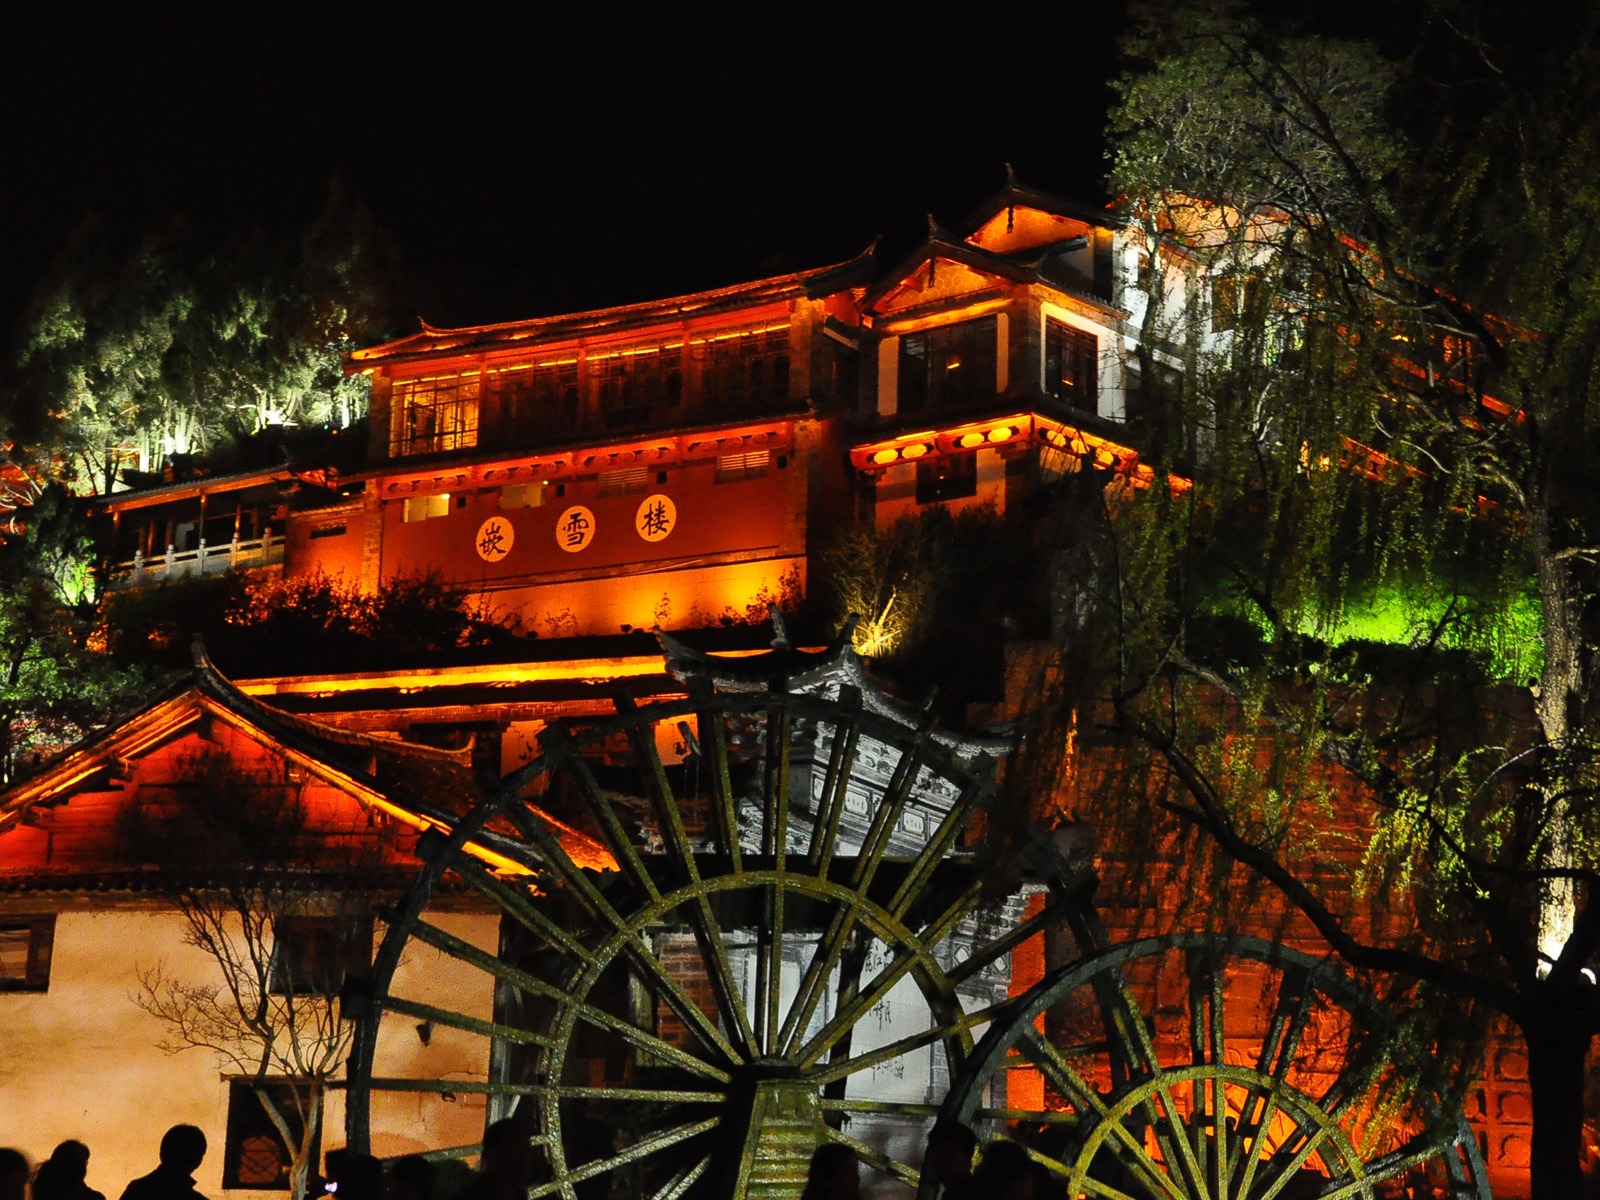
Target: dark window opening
point(944, 366)
point(1071, 366)
point(255, 1156)
point(25, 947)
point(328, 531)
point(312, 956)
point(947, 478)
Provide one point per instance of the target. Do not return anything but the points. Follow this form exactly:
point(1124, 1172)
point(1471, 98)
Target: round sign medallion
point(656, 518)
point(494, 539)
point(575, 529)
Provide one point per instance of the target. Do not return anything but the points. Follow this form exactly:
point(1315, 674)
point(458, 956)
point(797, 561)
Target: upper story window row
point(952, 364)
point(720, 374)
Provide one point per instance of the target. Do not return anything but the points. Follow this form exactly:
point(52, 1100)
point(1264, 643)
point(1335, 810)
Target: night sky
point(525, 166)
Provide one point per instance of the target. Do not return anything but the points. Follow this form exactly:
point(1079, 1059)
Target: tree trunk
point(1558, 1045)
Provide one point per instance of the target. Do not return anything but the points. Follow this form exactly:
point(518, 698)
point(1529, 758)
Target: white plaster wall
point(80, 1060)
point(408, 1123)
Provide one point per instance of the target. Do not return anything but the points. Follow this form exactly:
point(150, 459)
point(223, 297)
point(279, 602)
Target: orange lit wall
point(674, 599)
point(327, 542)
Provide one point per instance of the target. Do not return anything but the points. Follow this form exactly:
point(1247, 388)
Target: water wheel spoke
point(774, 843)
point(454, 1020)
point(877, 1160)
point(1355, 1078)
point(887, 817)
point(555, 740)
point(827, 955)
point(573, 877)
point(1069, 1082)
point(561, 1091)
point(639, 1038)
point(1208, 1093)
point(711, 738)
point(1060, 1073)
point(1414, 1153)
point(636, 1152)
point(524, 911)
point(950, 827)
point(682, 1180)
point(840, 1068)
point(1287, 1166)
point(654, 972)
point(1173, 1136)
point(1251, 1153)
point(836, 782)
point(995, 948)
point(854, 1007)
point(669, 820)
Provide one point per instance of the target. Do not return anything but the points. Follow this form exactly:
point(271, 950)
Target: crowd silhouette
point(1005, 1170)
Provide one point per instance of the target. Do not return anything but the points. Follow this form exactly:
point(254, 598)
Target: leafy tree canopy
point(184, 344)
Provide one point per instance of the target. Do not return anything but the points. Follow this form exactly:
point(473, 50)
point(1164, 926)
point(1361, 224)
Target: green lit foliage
point(56, 686)
point(186, 345)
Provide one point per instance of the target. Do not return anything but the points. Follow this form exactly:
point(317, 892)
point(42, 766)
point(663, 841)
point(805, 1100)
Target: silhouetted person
point(14, 1172)
point(948, 1158)
point(834, 1174)
point(506, 1165)
point(410, 1178)
point(358, 1176)
point(61, 1176)
point(1005, 1173)
point(183, 1149)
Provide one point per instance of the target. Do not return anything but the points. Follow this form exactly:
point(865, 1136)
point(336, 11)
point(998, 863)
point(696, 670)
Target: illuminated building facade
point(677, 464)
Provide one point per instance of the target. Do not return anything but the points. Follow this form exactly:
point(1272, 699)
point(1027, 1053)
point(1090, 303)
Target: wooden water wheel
point(1204, 1067)
point(745, 923)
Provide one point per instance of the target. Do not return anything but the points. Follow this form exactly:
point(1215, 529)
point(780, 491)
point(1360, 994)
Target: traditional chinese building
point(675, 463)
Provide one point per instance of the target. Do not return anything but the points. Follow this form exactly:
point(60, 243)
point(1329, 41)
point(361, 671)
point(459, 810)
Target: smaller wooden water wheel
point(1202, 1067)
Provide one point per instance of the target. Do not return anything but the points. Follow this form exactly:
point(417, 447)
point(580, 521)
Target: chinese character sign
point(575, 529)
point(494, 539)
point(656, 518)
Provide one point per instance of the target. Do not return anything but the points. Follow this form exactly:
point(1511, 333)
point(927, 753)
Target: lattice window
point(254, 1156)
point(521, 495)
point(740, 369)
point(425, 508)
point(636, 387)
point(947, 478)
point(1071, 365)
point(534, 400)
point(434, 414)
point(948, 365)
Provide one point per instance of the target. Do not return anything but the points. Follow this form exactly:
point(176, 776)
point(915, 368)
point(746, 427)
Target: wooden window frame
point(40, 932)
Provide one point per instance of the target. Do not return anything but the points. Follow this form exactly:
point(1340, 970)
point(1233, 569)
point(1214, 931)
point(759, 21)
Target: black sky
point(527, 164)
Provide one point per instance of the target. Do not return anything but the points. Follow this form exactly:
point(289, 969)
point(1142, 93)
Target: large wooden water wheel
point(747, 922)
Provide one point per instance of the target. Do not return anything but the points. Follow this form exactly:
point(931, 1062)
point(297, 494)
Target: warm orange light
point(494, 674)
point(968, 440)
point(915, 450)
point(948, 317)
point(885, 457)
point(1002, 434)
